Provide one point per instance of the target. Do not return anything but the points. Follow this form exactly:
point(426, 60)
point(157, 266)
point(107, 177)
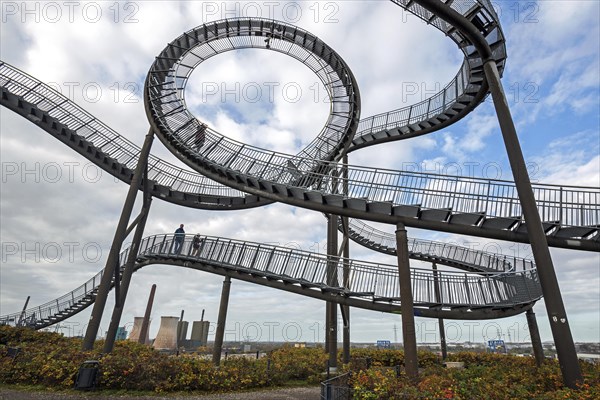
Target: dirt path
point(302, 393)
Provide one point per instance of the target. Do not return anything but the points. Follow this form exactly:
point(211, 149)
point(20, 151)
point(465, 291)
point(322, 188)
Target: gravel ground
point(302, 393)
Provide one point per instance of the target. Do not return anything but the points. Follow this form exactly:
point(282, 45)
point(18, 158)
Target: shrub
point(51, 360)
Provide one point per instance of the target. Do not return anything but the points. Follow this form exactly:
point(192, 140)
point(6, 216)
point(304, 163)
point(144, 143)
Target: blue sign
point(384, 344)
point(496, 346)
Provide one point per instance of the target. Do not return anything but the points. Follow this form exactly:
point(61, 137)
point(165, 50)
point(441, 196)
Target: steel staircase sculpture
point(472, 295)
point(234, 175)
point(477, 207)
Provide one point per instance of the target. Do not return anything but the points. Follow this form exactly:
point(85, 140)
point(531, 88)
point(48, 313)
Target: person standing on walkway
point(196, 244)
point(179, 236)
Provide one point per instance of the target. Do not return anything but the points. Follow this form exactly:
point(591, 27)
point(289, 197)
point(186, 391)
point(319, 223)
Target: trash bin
point(87, 375)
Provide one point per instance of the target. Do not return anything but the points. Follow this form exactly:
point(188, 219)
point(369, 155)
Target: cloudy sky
point(59, 211)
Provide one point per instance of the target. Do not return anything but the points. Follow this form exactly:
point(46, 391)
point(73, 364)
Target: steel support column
point(438, 299)
point(561, 332)
point(346, 255)
point(113, 256)
point(332, 248)
point(327, 320)
point(409, 336)
point(346, 309)
point(126, 278)
point(563, 340)
point(22, 315)
point(218, 346)
point(536, 341)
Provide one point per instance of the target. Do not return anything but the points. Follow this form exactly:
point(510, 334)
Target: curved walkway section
point(457, 98)
point(462, 295)
point(452, 255)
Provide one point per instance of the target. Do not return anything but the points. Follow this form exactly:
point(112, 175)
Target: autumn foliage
point(51, 360)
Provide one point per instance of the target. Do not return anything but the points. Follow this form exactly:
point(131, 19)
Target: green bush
point(51, 360)
point(489, 376)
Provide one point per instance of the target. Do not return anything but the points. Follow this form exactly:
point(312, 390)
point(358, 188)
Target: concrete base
point(454, 364)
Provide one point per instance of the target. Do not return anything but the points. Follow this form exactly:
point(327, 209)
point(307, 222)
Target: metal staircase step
point(432, 305)
point(309, 284)
point(334, 200)
point(575, 232)
point(329, 289)
point(359, 294)
point(500, 223)
point(315, 196)
point(460, 307)
point(435, 215)
point(380, 207)
point(297, 193)
point(469, 219)
point(386, 299)
point(382, 134)
point(407, 211)
point(356, 204)
point(281, 189)
point(547, 226)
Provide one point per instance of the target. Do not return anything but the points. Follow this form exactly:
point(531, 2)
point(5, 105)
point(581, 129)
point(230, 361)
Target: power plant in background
point(199, 334)
point(136, 330)
point(166, 338)
point(121, 333)
point(182, 328)
point(172, 333)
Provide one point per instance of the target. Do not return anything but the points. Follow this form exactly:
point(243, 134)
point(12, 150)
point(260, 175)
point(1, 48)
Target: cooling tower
point(182, 328)
point(200, 332)
point(166, 338)
point(134, 336)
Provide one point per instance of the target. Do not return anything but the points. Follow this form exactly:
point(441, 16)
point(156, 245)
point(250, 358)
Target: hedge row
point(51, 360)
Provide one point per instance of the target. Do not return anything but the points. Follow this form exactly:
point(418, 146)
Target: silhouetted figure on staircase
point(178, 241)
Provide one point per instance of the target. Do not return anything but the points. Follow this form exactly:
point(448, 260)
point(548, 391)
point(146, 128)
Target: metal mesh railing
point(373, 280)
point(336, 388)
point(362, 279)
point(444, 253)
point(448, 96)
point(421, 111)
point(565, 205)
